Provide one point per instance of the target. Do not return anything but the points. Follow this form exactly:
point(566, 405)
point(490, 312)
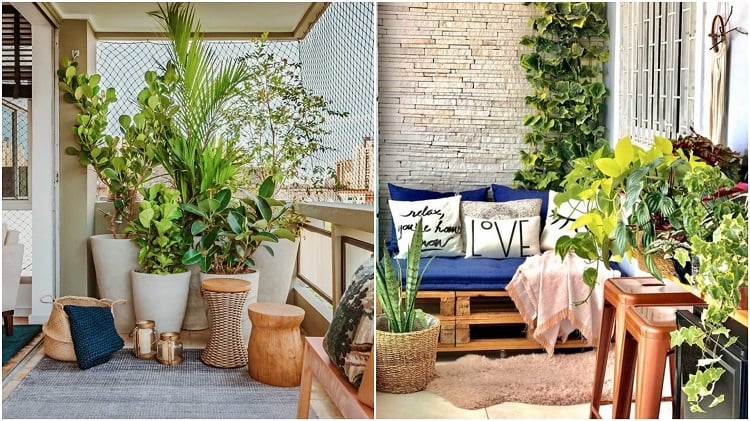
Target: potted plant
point(122, 164)
point(160, 287)
point(231, 230)
point(282, 127)
point(406, 337)
point(714, 216)
point(198, 153)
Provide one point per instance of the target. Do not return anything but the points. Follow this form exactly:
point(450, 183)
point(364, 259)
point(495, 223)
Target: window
point(657, 72)
point(15, 149)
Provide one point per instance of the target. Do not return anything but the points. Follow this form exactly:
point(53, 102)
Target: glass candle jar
point(169, 348)
point(144, 339)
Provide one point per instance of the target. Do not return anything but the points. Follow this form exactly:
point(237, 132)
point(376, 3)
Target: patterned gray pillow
point(499, 210)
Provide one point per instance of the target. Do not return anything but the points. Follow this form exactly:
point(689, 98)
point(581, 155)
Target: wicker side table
point(225, 298)
point(275, 348)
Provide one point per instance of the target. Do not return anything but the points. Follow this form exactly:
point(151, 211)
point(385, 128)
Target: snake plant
point(400, 311)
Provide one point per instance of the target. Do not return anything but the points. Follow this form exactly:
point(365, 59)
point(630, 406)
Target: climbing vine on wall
point(565, 68)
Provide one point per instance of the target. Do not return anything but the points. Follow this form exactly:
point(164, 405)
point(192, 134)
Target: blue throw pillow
point(95, 338)
point(405, 194)
point(506, 194)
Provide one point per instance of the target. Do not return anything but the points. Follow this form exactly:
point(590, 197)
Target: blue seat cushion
point(406, 194)
point(94, 335)
point(461, 274)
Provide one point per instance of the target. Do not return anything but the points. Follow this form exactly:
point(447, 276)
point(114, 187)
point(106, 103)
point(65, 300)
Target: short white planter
point(114, 259)
point(161, 298)
point(252, 297)
point(277, 271)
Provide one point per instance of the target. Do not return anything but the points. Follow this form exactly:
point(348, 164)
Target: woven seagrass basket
point(405, 362)
point(58, 342)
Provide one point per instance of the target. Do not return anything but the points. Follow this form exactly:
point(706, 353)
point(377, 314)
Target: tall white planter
point(252, 296)
point(161, 298)
point(277, 271)
point(195, 314)
point(114, 259)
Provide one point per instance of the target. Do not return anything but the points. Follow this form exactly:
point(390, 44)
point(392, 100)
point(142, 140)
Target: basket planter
point(58, 342)
point(405, 362)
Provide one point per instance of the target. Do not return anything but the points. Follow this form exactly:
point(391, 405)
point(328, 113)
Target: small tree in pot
point(406, 337)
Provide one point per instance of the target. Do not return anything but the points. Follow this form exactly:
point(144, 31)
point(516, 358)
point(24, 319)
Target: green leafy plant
point(401, 313)
point(231, 231)
point(122, 164)
point(565, 70)
point(716, 232)
point(282, 122)
point(197, 152)
point(729, 161)
point(158, 232)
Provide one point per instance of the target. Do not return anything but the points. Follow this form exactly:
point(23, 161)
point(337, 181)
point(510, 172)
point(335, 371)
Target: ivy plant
point(564, 67)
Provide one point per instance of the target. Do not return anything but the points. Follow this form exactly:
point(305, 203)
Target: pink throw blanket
point(545, 289)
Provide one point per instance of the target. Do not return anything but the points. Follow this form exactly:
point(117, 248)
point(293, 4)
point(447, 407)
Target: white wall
point(738, 111)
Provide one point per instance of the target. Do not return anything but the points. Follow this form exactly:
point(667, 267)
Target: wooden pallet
point(480, 321)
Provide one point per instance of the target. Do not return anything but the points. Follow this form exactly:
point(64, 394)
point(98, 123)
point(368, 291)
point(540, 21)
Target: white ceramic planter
point(114, 259)
point(161, 298)
point(277, 271)
point(195, 314)
point(252, 297)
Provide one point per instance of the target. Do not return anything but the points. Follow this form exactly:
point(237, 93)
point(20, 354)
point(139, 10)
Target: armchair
point(12, 265)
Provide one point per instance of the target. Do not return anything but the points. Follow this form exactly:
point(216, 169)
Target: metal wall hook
point(719, 33)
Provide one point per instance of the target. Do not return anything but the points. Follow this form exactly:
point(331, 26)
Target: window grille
point(15, 149)
point(657, 74)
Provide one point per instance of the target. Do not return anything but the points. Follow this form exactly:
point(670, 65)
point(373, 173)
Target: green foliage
point(231, 230)
point(401, 313)
point(282, 120)
point(200, 157)
point(123, 165)
point(157, 231)
point(565, 70)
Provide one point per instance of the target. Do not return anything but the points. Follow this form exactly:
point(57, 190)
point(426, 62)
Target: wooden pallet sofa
point(468, 294)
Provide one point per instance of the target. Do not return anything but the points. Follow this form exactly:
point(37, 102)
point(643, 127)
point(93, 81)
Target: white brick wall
point(451, 96)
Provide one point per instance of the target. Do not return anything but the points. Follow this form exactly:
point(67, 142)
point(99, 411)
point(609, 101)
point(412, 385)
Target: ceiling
point(218, 20)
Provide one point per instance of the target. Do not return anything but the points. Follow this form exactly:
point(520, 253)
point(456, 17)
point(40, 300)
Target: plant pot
point(742, 305)
point(161, 298)
point(114, 259)
point(277, 270)
point(252, 296)
point(195, 313)
point(405, 362)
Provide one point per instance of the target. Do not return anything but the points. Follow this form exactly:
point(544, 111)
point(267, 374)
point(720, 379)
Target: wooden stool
point(226, 299)
point(274, 351)
point(619, 294)
point(647, 334)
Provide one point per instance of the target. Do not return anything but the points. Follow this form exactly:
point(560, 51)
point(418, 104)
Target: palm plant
point(198, 154)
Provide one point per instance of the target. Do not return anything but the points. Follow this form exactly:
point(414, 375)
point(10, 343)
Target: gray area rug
point(127, 387)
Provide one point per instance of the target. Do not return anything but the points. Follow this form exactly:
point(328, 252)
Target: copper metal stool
point(225, 298)
point(619, 294)
point(646, 348)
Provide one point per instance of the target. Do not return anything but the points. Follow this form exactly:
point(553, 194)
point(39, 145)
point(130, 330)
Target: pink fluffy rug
point(475, 381)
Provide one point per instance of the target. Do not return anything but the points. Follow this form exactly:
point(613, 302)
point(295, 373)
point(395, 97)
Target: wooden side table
point(225, 298)
point(275, 348)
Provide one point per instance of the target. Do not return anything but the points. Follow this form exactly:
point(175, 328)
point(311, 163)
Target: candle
point(166, 355)
point(144, 341)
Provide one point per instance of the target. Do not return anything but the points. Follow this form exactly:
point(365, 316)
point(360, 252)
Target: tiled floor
point(319, 402)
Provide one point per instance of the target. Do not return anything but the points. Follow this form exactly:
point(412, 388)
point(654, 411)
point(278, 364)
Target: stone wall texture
point(450, 96)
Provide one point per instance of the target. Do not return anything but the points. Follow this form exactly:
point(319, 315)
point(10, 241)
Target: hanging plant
point(565, 70)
